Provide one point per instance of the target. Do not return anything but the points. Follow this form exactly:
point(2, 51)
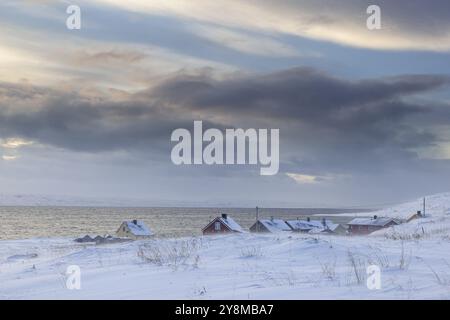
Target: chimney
point(324, 222)
point(419, 213)
point(375, 217)
point(224, 216)
point(135, 222)
point(308, 219)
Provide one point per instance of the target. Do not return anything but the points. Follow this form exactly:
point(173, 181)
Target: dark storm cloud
point(334, 124)
point(298, 92)
point(305, 96)
point(71, 121)
point(351, 122)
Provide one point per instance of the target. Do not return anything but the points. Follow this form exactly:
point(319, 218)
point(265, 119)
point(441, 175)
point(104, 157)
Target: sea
point(23, 222)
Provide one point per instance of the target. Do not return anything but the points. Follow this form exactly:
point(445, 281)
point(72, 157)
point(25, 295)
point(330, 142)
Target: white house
point(135, 230)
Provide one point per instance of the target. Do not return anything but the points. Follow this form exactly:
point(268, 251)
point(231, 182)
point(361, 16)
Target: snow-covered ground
point(414, 259)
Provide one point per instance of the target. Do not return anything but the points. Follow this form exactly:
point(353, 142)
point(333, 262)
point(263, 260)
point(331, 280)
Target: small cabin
point(270, 225)
point(222, 224)
point(135, 230)
point(369, 225)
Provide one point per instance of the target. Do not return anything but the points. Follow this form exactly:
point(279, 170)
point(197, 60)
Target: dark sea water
point(33, 222)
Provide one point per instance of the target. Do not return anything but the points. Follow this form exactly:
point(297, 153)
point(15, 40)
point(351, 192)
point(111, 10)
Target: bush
point(171, 254)
point(328, 269)
point(357, 267)
point(252, 252)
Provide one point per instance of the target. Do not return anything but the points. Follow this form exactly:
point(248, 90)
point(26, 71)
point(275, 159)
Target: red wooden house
point(369, 225)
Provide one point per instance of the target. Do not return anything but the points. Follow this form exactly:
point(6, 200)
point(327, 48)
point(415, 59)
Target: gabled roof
point(332, 226)
point(228, 222)
point(137, 228)
point(304, 225)
point(380, 221)
point(329, 227)
point(313, 226)
point(275, 225)
point(231, 224)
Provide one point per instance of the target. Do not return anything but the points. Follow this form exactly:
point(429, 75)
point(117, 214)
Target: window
point(217, 226)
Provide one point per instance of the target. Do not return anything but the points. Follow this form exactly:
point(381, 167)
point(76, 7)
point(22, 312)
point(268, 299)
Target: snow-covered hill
point(437, 205)
point(243, 266)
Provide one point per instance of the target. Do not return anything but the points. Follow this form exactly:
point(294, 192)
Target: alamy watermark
point(373, 22)
point(373, 281)
point(73, 277)
point(229, 148)
point(73, 21)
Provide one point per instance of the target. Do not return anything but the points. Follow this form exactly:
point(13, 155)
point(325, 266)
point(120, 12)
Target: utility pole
point(257, 218)
point(424, 206)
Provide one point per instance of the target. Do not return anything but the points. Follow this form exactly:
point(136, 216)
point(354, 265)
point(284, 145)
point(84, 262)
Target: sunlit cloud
point(303, 178)
point(9, 158)
point(15, 143)
point(85, 62)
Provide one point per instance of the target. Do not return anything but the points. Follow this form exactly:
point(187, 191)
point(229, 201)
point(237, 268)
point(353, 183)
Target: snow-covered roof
point(379, 221)
point(138, 228)
point(231, 224)
point(330, 226)
point(304, 225)
point(275, 225)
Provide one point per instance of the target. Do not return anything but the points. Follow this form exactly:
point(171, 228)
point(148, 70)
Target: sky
point(364, 115)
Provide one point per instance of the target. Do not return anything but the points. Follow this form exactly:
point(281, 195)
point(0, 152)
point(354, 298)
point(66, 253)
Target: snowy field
point(414, 259)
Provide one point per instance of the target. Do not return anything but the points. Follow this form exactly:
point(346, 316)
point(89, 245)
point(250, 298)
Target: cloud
point(335, 134)
point(406, 24)
point(9, 158)
point(300, 93)
point(370, 109)
point(91, 122)
point(15, 143)
point(92, 59)
point(246, 43)
point(328, 125)
point(302, 178)
point(109, 56)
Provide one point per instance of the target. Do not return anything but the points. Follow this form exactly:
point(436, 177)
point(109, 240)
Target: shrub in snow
point(328, 269)
point(357, 267)
point(252, 252)
point(173, 254)
point(405, 259)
